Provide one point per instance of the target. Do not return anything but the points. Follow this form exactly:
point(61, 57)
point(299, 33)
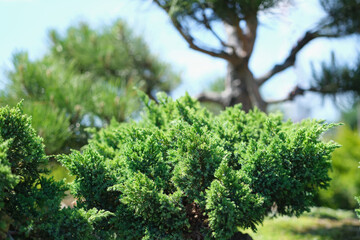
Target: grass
point(320, 224)
point(59, 172)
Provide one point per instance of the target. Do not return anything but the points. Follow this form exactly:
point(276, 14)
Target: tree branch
point(211, 97)
point(191, 41)
point(208, 26)
point(251, 32)
point(240, 33)
point(298, 91)
point(290, 60)
point(160, 5)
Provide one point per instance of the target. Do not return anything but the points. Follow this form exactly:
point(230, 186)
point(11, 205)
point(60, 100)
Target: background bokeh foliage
point(84, 80)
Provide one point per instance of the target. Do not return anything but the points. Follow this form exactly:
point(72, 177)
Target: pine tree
point(85, 80)
point(240, 22)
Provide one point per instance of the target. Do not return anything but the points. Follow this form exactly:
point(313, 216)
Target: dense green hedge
point(178, 173)
point(181, 172)
point(29, 201)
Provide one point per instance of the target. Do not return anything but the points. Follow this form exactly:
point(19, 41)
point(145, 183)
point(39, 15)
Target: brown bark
point(198, 221)
point(236, 86)
point(243, 89)
point(240, 85)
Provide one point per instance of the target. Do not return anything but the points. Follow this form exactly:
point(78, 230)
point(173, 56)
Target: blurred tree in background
point(345, 175)
point(345, 183)
point(239, 19)
point(351, 117)
point(85, 79)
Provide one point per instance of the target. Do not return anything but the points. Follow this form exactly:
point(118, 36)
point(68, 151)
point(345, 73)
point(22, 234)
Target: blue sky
point(24, 25)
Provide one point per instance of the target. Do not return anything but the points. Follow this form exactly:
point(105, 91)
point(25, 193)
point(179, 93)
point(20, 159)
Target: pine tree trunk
point(240, 86)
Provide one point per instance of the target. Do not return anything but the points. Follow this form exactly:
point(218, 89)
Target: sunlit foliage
point(182, 172)
point(85, 80)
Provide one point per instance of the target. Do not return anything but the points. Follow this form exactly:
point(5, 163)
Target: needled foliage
point(7, 182)
point(215, 10)
point(113, 52)
point(338, 78)
point(183, 173)
point(29, 201)
point(85, 79)
point(342, 15)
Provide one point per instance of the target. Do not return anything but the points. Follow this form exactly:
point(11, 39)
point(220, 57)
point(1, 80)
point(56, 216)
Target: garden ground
point(320, 224)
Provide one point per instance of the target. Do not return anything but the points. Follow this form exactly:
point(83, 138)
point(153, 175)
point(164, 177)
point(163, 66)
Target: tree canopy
point(240, 20)
point(84, 80)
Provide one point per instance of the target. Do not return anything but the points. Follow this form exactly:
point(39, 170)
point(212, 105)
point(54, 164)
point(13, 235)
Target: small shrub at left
point(29, 199)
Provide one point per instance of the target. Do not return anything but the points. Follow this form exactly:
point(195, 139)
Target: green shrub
point(183, 173)
point(7, 182)
point(345, 175)
point(357, 210)
point(29, 201)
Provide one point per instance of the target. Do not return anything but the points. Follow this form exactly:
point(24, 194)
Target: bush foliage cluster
point(29, 201)
point(178, 173)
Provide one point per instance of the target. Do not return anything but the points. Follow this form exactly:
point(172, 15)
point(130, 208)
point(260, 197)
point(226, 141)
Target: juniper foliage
point(183, 173)
point(29, 200)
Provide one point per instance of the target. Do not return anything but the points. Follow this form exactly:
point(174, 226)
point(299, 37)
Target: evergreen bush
point(183, 173)
point(29, 200)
